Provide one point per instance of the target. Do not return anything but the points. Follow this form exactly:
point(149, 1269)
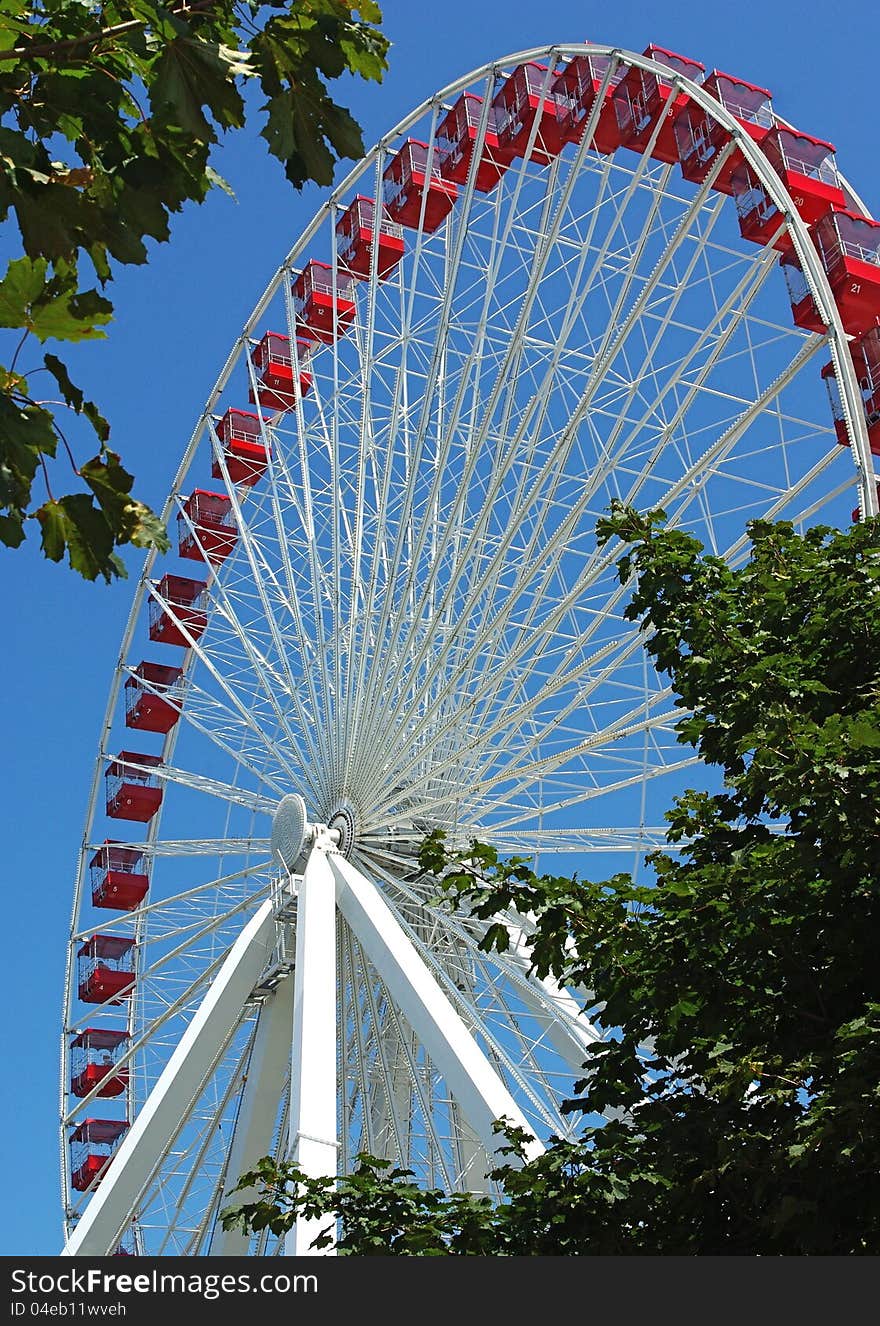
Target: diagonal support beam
point(252, 1138)
point(157, 1125)
point(570, 1031)
point(476, 1086)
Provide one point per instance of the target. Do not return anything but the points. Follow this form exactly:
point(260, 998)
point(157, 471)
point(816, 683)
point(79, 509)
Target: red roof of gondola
point(741, 82)
point(99, 1038)
point(106, 946)
point(98, 1130)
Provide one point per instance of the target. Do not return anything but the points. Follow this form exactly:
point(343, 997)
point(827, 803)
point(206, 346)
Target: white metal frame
point(414, 630)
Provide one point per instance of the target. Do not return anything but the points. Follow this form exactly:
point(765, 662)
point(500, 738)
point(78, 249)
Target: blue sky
point(175, 322)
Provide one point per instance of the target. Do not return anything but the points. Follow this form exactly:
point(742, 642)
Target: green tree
point(744, 987)
point(108, 114)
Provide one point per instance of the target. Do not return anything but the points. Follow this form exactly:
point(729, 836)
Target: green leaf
point(50, 308)
point(107, 479)
point(26, 434)
point(145, 529)
point(72, 394)
point(49, 220)
point(75, 525)
point(193, 73)
point(24, 282)
point(217, 181)
point(97, 420)
point(53, 522)
point(73, 397)
point(12, 530)
point(343, 131)
point(682, 888)
point(130, 520)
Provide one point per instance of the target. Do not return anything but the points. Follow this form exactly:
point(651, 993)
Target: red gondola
point(411, 193)
point(849, 246)
point(323, 301)
point(760, 220)
point(274, 368)
point(119, 880)
point(240, 434)
point(152, 697)
point(133, 792)
point(701, 139)
point(94, 1142)
point(575, 91)
point(456, 137)
point(179, 604)
point(206, 527)
point(105, 969)
point(356, 240)
point(806, 167)
point(865, 353)
point(95, 1052)
point(526, 109)
point(804, 310)
point(642, 99)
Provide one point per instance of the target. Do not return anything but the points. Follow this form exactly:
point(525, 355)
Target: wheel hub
point(343, 820)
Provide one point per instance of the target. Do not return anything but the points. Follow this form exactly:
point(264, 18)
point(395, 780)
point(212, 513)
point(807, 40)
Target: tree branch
point(49, 49)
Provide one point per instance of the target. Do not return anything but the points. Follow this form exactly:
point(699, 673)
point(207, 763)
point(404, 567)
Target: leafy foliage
point(743, 990)
point(108, 114)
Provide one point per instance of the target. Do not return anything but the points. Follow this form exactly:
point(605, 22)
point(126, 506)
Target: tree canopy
point(741, 987)
point(108, 115)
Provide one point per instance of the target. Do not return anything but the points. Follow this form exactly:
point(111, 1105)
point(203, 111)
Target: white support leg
point(154, 1130)
point(313, 1142)
point(478, 1089)
point(473, 1160)
point(255, 1124)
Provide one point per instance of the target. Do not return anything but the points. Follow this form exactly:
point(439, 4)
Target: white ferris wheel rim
point(434, 695)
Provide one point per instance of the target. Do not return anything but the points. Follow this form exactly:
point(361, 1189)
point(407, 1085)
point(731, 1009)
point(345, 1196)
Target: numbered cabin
point(118, 876)
point(701, 139)
point(807, 168)
point(178, 610)
point(206, 527)
point(586, 80)
point(105, 969)
point(527, 114)
point(277, 373)
point(413, 190)
point(133, 788)
point(323, 300)
point(152, 697)
point(645, 99)
point(94, 1055)
point(358, 244)
point(93, 1144)
point(244, 450)
point(849, 246)
point(457, 135)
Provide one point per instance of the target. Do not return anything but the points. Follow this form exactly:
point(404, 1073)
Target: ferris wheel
point(574, 275)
